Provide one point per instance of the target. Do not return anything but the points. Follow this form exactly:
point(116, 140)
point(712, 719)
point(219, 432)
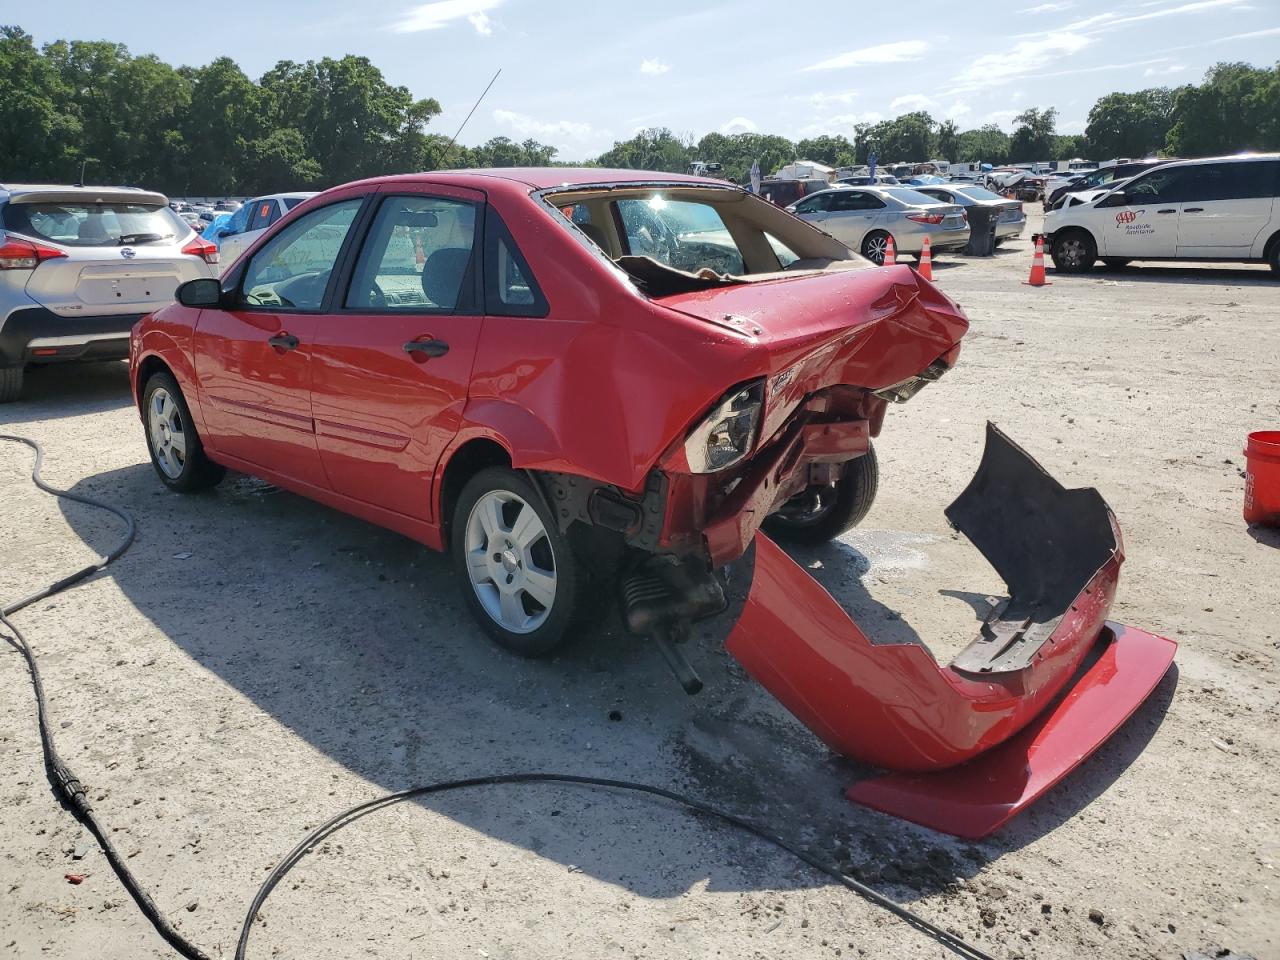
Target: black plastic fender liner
point(1046, 542)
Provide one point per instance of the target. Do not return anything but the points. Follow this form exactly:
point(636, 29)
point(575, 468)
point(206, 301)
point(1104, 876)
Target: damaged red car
point(595, 383)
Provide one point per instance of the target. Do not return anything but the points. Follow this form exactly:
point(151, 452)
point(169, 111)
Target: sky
point(580, 75)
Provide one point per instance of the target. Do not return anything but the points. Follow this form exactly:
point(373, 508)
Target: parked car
point(227, 206)
point(1058, 187)
point(449, 354)
point(782, 193)
point(79, 266)
point(1218, 208)
point(192, 220)
point(880, 180)
point(259, 213)
point(866, 217)
point(1011, 219)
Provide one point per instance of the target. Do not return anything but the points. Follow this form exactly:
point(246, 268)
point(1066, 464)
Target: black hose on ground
point(68, 788)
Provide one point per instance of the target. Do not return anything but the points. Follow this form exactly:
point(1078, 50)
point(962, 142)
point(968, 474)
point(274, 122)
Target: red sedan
point(592, 383)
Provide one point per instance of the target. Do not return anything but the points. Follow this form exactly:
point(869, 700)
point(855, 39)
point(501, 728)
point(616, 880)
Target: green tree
point(656, 148)
point(948, 141)
point(1236, 108)
point(911, 137)
point(38, 138)
point(987, 144)
point(1129, 124)
point(1033, 135)
point(834, 150)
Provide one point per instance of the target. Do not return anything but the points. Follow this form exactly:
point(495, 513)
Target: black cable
point(68, 787)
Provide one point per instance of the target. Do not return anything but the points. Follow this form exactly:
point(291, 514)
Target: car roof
point(1232, 157)
point(8, 190)
point(543, 178)
point(299, 194)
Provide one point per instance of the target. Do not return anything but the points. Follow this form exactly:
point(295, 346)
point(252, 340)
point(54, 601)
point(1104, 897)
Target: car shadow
point(1169, 273)
point(1267, 536)
point(59, 390)
point(359, 641)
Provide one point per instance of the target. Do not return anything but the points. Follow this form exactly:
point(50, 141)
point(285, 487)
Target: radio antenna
point(454, 139)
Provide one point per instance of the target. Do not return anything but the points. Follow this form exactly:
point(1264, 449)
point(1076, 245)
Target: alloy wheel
point(168, 437)
point(510, 561)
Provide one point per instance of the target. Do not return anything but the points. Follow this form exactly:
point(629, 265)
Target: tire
point(1115, 263)
point(176, 451)
point(854, 493)
point(1274, 259)
point(10, 384)
point(873, 245)
point(1074, 251)
point(525, 615)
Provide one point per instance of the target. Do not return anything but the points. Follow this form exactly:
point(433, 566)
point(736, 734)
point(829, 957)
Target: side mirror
point(203, 292)
point(1119, 199)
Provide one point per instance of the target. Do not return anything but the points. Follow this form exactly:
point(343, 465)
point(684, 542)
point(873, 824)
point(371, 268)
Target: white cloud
point(526, 126)
point(841, 123)
point(1071, 126)
point(434, 16)
point(1164, 71)
point(823, 100)
point(1050, 7)
point(958, 110)
point(911, 101)
point(739, 125)
point(1024, 57)
point(654, 67)
point(897, 52)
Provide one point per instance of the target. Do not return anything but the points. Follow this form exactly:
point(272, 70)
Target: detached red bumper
point(895, 707)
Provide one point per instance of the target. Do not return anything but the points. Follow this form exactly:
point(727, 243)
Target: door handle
point(426, 349)
point(284, 341)
point(1170, 210)
point(1193, 209)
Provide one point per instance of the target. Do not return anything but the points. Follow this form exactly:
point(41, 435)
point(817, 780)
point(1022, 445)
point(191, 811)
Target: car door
point(392, 362)
point(253, 360)
point(1228, 205)
point(813, 209)
point(1141, 220)
point(851, 215)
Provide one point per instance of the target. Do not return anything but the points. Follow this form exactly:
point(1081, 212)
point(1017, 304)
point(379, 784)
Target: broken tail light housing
point(202, 248)
point(728, 432)
point(17, 254)
point(934, 218)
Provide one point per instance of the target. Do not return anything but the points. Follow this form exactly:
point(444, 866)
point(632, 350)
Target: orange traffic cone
point(419, 255)
point(925, 269)
point(1037, 267)
point(890, 253)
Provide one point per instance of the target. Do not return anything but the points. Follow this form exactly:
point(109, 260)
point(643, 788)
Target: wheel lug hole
point(511, 578)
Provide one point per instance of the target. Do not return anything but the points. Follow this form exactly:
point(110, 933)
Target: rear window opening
point(673, 238)
point(94, 224)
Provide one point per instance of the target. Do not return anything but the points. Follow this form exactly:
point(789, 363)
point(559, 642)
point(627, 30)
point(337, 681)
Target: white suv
point(248, 223)
point(80, 265)
point(1218, 208)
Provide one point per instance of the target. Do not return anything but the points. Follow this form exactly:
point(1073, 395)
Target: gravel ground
point(257, 662)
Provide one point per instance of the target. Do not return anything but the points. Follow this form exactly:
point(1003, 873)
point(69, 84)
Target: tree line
point(212, 130)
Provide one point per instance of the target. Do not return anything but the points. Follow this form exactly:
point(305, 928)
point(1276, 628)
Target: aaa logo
point(1126, 216)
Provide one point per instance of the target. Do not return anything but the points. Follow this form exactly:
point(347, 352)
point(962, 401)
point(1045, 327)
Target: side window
point(1242, 180)
point(292, 269)
point(260, 215)
point(1162, 186)
point(866, 201)
point(812, 204)
point(416, 257)
point(510, 288)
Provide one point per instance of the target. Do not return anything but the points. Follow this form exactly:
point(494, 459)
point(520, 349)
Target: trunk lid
point(99, 281)
point(869, 327)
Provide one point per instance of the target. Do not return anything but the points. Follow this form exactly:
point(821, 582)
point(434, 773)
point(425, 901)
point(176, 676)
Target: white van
point(1218, 208)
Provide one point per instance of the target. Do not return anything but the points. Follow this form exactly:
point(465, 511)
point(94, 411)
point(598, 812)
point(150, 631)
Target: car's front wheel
point(176, 450)
point(819, 514)
point(525, 586)
point(1074, 251)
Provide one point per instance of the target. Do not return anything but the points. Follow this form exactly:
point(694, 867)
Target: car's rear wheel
point(525, 585)
point(1274, 259)
point(176, 450)
point(10, 384)
point(873, 246)
point(820, 514)
point(1074, 251)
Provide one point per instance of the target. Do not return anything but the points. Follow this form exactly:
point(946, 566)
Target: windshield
point(978, 193)
point(94, 224)
point(911, 196)
point(683, 234)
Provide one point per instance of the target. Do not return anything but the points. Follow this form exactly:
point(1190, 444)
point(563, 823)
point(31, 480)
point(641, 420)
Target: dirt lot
point(257, 662)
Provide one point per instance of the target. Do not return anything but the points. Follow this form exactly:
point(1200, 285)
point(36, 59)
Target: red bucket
point(1262, 478)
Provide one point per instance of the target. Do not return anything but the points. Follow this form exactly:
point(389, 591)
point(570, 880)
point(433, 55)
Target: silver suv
point(80, 265)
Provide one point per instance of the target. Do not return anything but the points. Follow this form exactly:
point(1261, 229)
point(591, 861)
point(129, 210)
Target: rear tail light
point(200, 247)
point(934, 218)
point(18, 254)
